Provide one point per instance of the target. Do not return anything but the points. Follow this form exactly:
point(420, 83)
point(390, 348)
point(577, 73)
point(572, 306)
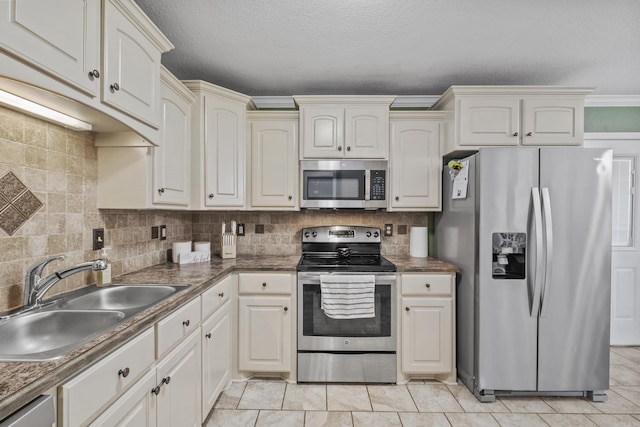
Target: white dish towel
point(348, 296)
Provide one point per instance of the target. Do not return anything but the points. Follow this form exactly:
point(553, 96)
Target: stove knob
point(314, 234)
point(368, 234)
point(306, 234)
point(376, 234)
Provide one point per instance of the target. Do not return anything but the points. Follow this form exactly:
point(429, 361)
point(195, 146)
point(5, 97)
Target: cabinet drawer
point(89, 393)
point(216, 296)
point(426, 284)
point(256, 283)
point(177, 326)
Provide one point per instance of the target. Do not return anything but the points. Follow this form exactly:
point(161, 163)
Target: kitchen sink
point(121, 297)
point(71, 320)
point(48, 334)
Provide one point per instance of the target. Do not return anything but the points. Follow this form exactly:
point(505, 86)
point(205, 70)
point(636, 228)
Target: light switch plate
point(98, 238)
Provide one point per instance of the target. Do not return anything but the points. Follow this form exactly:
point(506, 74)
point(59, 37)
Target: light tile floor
point(278, 404)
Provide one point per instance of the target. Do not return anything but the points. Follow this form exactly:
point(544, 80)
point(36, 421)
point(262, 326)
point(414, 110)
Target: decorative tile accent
point(17, 203)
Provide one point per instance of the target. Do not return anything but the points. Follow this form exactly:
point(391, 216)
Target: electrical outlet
point(163, 232)
point(98, 238)
point(240, 230)
point(154, 232)
point(388, 229)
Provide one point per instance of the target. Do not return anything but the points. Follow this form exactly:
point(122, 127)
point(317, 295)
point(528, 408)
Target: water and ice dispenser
point(509, 255)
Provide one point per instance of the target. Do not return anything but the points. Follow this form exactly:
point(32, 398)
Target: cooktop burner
point(342, 248)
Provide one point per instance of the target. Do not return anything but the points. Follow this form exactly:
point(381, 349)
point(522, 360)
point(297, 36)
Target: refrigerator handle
point(548, 229)
point(537, 285)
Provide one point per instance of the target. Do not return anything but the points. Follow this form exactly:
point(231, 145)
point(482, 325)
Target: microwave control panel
point(378, 178)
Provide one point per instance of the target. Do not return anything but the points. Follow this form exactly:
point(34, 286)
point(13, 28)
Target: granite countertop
point(22, 382)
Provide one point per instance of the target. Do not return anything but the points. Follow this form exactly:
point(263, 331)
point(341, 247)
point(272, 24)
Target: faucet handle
point(35, 271)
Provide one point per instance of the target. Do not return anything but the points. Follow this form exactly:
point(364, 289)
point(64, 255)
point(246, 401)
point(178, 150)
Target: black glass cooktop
point(359, 263)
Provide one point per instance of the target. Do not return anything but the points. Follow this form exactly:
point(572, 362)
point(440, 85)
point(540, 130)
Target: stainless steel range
point(346, 307)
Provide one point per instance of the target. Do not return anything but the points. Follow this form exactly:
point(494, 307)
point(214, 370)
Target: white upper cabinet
point(171, 158)
point(218, 152)
point(274, 160)
point(344, 126)
point(415, 162)
point(131, 81)
point(60, 37)
point(512, 115)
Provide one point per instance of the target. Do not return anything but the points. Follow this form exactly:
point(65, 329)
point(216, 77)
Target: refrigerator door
point(506, 330)
point(573, 343)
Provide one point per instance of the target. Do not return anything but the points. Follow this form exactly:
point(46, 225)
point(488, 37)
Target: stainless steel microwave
point(354, 184)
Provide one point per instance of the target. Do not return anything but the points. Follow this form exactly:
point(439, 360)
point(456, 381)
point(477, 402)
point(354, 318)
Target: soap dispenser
point(104, 276)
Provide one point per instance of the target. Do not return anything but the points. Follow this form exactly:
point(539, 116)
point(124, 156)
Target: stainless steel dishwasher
point(37, 413)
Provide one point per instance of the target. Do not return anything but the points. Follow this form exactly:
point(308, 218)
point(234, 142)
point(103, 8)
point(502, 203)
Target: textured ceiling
point(401, 47)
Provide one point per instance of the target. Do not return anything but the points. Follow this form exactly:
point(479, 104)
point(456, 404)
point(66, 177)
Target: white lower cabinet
point(92, 391)
point(265, 322)
point(428, 326)
point(135, 408)
point(216, 356)
point(178, 382)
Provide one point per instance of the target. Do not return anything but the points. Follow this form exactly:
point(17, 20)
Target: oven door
point(317, 332)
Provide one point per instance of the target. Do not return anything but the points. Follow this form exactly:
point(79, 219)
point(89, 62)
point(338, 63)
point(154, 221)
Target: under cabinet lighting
point(40, 111)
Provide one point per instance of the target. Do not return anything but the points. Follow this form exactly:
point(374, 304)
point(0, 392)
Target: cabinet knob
point(428, 285)
point(264, 284)
point(94, 74)
point(348, 148)
point(123, 372)
point(186, 323)
point(211, 196)
point(290, 197)
point(529, 133)
point(397, 198)
point(339, 148)
point(155, 390)
point(161, 190)
point(515, 134)
point(166, 380)
point(407, 308)
point(115, 87)
point(221, 294)
point(286, 309)
point(208, 335)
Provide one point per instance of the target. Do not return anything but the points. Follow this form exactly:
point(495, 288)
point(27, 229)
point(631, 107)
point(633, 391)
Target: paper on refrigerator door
point(461, 182)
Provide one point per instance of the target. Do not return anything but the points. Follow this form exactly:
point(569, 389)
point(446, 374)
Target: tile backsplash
point(58, 167)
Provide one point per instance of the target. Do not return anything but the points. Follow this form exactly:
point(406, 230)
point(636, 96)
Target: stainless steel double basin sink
point(66, 323)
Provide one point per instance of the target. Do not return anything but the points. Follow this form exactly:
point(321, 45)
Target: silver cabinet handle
point(339, 148)
point(186, 323)
point(348, 148)
point(123, 372)
point(94, 74)
point(115, 87)
point(515, 134)
point(161, 190)
point(221, 294)
point(211, 196)
point(529, 133)
point(208, 335)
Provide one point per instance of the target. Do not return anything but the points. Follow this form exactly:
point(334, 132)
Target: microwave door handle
point(367, 186)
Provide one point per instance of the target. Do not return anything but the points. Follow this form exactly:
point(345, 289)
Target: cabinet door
point(224, 152)
point(179, 377)
point(216, 357)
point(415, 165)
point(171, 158)
point(366, 132)
point(60, 37)
point(322, 132)
point(488, 120)
point(274, 163)
point(552, 121)
point(265, 334)
point(131, 66)
point(427, 335)
point(135, 408)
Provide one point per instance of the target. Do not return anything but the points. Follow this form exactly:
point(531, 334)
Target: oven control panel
point(338, 233)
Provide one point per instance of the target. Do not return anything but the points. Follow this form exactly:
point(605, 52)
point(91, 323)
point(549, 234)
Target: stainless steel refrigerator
point(532, 239)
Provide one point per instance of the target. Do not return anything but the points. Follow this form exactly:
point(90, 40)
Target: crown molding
point(274, 102)
point(612, 101)
point(415, 101)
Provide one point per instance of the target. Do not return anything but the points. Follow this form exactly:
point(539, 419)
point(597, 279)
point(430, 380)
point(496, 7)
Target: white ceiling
point(401, 47)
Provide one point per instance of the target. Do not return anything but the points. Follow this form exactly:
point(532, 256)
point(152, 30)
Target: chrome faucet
point(36, 286)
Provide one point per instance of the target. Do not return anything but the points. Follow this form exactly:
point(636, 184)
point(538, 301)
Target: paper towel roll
point(203, 246)
point(419, 242)
point(178, 248)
